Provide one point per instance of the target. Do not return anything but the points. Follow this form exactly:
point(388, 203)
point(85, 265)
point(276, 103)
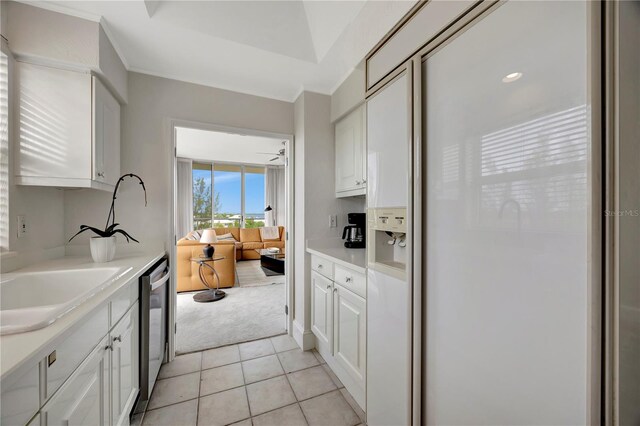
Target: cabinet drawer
point(71, 351)
point(322, 266)
point(351, 280)
point(122, 301)
point(20, 395)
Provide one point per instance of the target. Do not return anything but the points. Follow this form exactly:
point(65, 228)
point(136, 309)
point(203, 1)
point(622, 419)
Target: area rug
point(246, 313)
point(250, 274)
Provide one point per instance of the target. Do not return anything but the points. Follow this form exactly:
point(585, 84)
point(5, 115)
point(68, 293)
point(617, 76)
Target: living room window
point(228, 195)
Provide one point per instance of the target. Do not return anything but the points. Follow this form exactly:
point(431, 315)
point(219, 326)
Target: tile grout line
point(235, 387)
point(291, 387)
point(199, 388)
point(297, 401)
point(246, 392)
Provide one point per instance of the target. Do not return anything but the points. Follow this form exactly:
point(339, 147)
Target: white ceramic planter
point(103, 249)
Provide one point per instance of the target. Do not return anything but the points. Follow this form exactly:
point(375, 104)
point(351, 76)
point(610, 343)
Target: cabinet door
point(388, 140)
point(106, 134)
point(54, 123)
point(321, 315)
point(124, 366)
point(349, 318)
point(84, 398)
point(349, 139)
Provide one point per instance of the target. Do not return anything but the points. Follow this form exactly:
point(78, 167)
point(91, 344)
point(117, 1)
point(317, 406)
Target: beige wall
point(146, 149)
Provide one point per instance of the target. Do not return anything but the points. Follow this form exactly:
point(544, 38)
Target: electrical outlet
point(333, 221)
point(22, 225)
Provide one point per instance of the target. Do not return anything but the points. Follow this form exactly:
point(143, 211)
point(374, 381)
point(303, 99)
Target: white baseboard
point(305, 339)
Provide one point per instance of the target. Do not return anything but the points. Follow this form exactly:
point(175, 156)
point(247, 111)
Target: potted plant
point(103, 246)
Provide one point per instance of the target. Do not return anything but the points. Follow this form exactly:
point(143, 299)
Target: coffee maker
point(354, 233)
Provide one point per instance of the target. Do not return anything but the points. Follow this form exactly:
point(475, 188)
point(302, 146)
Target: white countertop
point(334, 249)
point(15, 349)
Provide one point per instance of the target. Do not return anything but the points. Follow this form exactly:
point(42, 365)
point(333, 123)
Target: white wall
point(146, 149)
point(315, 198)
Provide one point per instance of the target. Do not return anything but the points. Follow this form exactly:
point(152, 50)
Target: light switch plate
point(22, 225)
point(333, 221)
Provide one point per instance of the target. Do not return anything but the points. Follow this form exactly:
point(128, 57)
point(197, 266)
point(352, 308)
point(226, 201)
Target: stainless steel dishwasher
point(153, 327)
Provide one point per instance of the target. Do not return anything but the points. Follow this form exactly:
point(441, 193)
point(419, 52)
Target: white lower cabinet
point(338, 321)
point(322, 299)
point(349, 340)
point(80, 382)
point(84, 398)
point(124, 367)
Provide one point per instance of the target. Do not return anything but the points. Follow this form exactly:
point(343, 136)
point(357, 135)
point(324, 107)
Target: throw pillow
point(193, 236)
point(227, 237)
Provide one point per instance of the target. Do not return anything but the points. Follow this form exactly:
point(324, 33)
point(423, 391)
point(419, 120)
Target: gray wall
point(63, 41)
point(43, 208)
point(146, 149)
point(349, 94)
point(628, 109)
point(315, 198)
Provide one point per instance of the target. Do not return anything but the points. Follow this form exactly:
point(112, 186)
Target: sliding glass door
point(227, 200)
point(254, 192)
point(228, 195)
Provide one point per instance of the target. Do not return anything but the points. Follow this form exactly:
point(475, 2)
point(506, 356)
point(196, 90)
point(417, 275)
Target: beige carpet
point(253, 309)
point(250, 274)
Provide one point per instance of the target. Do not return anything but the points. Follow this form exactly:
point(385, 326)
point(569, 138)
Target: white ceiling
point(226, 147)
point(263, 47)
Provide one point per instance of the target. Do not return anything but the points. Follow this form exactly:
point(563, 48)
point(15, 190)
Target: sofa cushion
point(250, 235)
point(253, 245)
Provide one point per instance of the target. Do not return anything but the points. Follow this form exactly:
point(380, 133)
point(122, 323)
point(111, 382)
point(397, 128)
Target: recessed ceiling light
point(511, 77)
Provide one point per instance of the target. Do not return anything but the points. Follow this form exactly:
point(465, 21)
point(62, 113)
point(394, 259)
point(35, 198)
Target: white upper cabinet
point(350, 154)
point(106, 135)
point(68, 129)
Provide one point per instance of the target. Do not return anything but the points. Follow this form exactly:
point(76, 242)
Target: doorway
point(237, 185)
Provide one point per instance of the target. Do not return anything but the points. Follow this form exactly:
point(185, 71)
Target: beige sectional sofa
point(242, 247)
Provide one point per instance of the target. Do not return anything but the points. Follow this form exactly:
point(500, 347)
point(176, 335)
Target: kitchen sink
point(33, 300)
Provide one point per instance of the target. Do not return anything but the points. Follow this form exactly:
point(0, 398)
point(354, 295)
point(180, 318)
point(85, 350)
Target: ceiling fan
point(279, 155)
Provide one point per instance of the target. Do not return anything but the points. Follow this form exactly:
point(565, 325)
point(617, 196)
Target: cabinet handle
point(101, 174)
point(364, 181)
point(329, 286)
point(358, 182)
point(335, 290)
point(118, 339)
point(348, 279)
point(319, 265)
point(108, 348)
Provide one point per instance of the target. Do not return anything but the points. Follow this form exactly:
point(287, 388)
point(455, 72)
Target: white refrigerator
point(388, 291)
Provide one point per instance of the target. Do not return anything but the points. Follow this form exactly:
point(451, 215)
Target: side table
point(211, 294)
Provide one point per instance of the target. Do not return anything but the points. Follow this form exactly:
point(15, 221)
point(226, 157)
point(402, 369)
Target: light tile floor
point(267, 382)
